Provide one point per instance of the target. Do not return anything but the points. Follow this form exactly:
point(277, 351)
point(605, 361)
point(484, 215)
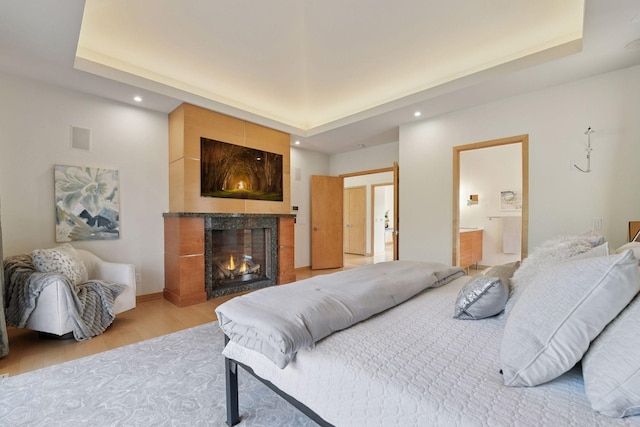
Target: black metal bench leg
point(233, 413)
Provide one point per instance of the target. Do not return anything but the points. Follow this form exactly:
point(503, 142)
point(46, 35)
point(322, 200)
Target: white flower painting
point(87, 203)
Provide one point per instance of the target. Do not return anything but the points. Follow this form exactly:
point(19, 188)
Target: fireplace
point(241, 253)
point(210, 255)
point(237, 256)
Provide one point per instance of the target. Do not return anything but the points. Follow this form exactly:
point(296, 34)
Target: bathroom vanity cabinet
point(470, 247)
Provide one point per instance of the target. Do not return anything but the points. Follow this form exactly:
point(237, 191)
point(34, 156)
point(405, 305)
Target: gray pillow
point(503, 271)
point(611, 366)
point(481, 297)
point(557, 316)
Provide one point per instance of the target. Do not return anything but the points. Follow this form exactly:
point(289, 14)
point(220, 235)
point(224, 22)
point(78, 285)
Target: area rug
point(173, 380)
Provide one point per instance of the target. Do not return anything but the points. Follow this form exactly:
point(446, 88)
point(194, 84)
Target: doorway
point(382, 220)
point(327, 227)
point(500, 212)
point(381, 201)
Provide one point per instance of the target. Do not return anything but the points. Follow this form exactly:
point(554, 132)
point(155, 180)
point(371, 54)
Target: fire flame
point(232, 265)
point(243, 268)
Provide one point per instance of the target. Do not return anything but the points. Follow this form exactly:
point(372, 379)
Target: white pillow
point(557, 316)
point(611, 367)
point(550, 253)
point(634, 246)
point(61, 260)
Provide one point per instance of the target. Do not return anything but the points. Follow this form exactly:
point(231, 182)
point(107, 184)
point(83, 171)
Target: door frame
point(519, 139)
point(373, 204)
point(396, 206)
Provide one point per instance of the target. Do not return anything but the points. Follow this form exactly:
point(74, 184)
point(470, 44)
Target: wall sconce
point(473, 200)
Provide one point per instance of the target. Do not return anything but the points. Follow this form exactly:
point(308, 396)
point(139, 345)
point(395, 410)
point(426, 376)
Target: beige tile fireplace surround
point(184, 233)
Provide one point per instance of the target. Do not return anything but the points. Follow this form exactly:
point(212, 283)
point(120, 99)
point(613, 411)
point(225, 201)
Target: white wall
point(377, 157)
point(486, 172)
point(304, 164)
point(561, 200)
point(35, 121)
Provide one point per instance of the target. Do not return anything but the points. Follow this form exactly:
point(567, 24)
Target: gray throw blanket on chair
point(90, 304)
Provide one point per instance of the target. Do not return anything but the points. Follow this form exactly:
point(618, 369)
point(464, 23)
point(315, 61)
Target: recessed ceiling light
point(417, 114)
point(297, 142)
point(633, 44)
point(137, 98)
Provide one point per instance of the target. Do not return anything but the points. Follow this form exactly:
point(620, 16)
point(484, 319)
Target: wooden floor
point(28, 352)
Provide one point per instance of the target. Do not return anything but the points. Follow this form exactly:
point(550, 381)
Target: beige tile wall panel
point(184, 279)
point(188, 124)
point(176, 186)
point(199, 122)
point(184, 236)
point(176, 134)
point(286, 251)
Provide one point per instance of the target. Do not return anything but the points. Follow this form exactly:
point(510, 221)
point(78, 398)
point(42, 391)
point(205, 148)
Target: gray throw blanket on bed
point(280, 320)
point(90, 304)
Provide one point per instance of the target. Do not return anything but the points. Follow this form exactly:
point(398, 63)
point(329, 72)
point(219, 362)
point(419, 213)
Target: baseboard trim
point(148, 297)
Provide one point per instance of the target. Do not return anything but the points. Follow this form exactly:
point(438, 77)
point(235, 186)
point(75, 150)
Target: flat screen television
point(237, 172)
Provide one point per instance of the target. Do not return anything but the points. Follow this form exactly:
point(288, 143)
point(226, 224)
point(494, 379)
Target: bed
point(415, 364)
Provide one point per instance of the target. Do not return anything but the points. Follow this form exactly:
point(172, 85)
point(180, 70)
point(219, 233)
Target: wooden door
point(326, 222)
point(355, 220)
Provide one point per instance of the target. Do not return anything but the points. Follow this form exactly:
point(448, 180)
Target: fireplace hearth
point(209, 255)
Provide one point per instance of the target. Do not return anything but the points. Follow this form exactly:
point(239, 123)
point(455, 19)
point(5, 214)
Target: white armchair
point(51, 314)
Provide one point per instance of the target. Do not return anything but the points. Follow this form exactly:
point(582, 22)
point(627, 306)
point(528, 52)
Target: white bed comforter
point(280, 320)
point(415, 365)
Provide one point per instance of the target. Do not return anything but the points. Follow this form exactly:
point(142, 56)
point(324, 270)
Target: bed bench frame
point(233, 412)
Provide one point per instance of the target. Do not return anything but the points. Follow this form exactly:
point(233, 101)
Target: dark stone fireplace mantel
point(188, 252)
point(224, 215)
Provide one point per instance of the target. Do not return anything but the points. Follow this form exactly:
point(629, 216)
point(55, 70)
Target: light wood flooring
point(151, 318)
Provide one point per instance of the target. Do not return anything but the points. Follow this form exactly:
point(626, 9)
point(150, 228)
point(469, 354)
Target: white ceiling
point(333, 73)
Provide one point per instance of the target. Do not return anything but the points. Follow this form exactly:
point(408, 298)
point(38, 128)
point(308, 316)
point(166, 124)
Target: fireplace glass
point(239, 256)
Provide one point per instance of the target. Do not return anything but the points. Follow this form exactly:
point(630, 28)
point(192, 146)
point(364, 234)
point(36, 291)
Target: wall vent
point(80, 138)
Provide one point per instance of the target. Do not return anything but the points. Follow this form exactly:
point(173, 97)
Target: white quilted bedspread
point(415, 365)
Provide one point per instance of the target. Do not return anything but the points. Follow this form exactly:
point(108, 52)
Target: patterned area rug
point(173, 380)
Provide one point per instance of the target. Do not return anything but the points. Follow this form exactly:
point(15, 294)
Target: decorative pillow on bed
point(481, 297)
point(61, 260)
point(504, 271)
point(548, 254)
point(611, 366)
point(564, 308)
point(634, 246)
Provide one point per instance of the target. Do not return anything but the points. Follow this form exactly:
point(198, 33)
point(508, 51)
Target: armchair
point(51, 314)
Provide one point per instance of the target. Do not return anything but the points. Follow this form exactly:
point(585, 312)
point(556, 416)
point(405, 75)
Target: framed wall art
point(238, 172)
point(87, 203)
point(510, 200)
